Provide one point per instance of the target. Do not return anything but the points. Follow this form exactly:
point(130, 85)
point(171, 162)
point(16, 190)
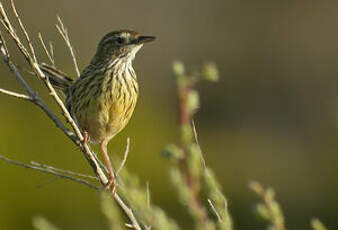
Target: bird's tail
point(57, 78)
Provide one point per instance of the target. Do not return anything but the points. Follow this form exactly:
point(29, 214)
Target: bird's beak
point(144, 39)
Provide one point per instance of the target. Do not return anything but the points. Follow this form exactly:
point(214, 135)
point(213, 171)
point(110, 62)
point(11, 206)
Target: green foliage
point(269, 209)
point(210, 72)
point(138, 199)
point(217, 200)
point(190, 175)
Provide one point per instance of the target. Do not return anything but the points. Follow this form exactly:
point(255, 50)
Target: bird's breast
point(119, 100)
point(104, 105)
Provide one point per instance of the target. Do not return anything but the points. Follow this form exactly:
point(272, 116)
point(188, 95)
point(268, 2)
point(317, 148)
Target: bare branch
point(124, 160)
point(51, 51)
point(11, 31)
point(23, 30)
point(127, 211)
point(62, 170)
point(49, 171)
point(48, 54)
point(64, 33)
point(17, 95)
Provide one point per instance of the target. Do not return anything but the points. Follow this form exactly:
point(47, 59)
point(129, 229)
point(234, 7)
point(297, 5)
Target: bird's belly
point(103, 121)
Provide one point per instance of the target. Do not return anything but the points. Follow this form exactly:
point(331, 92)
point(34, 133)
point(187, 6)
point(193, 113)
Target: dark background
point(272, 117)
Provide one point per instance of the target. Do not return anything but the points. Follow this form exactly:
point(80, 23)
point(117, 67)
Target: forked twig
point(64, 33)
point(49, 54)
point(49, 171)
point(17, 95)
point(62, 170)
point(23, 30)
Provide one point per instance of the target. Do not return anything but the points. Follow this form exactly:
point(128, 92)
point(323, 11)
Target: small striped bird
point(103, 98)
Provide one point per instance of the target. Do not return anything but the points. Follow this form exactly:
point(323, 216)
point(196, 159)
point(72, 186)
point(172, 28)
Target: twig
point(49, 55)
point(127, 211)
point(49, 171)
point(9, 28)
point(17, 95)
point(124, 160)
point(51, 51)
point(23, 30)
point(62, 170)
point(64, 33)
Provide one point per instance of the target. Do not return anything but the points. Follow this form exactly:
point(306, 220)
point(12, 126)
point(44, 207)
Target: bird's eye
point(120, 40)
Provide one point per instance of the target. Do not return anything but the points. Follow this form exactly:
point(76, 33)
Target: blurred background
point(272, 117)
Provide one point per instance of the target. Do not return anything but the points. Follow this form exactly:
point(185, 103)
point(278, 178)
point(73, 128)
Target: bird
point(102, 100)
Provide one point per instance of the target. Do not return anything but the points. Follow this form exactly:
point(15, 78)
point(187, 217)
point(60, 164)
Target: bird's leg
point(86, 137)
point(111, 181)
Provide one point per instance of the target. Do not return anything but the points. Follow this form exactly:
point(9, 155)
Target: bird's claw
point(86, 138)
point(111, 185)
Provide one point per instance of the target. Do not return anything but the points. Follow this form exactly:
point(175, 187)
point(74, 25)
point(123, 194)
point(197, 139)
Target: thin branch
point(49, 171)
point(23, 30)
point(9, 28)
point(48, 54)
point(127, 211)
point(51, 51)
point(62, 170)
point(124, 160)
point(17, 95)
point(64, 33)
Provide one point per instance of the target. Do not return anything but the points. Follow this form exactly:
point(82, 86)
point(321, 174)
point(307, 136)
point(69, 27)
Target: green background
point(272, 117)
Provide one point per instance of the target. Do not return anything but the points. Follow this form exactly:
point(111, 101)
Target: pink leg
point(86, 137)
point(111, 182)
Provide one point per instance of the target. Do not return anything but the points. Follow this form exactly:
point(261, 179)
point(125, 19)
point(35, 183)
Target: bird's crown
point(121, 43)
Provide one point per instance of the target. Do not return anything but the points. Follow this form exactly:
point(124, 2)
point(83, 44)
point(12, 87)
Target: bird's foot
point(86, 138)
point(111, 185)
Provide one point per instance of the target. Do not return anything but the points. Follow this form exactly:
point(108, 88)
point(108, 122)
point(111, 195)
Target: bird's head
point(122, 44)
